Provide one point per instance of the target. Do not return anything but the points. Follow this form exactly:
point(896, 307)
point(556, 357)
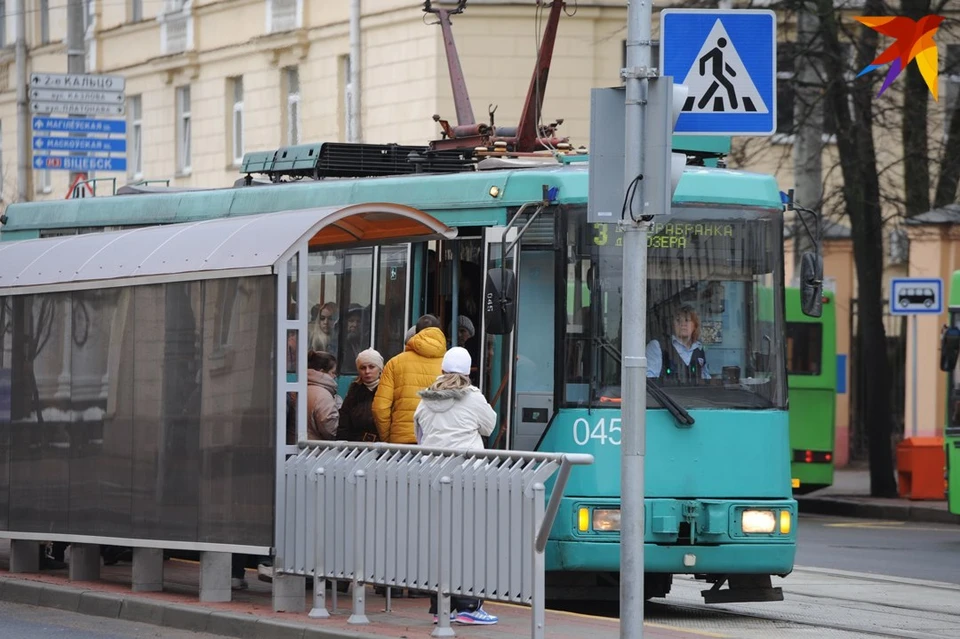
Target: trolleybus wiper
point(679, 413)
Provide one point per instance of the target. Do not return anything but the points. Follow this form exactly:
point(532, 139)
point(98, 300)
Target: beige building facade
point(209, 80)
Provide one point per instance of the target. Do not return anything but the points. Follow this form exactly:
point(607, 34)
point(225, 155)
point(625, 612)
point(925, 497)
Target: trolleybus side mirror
point(811, 284)
point(500, 301)
point(949, 348)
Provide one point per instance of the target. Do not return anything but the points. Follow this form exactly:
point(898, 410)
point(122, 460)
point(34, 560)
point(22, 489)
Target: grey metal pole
point(353, 119)
point(23, 113)
point(76, 48)
point(913, 366)
point(634, 369)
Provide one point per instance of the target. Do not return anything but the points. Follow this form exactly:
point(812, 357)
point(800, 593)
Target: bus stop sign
point(916, 296)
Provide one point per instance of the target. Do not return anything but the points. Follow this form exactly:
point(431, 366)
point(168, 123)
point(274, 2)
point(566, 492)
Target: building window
point(44, 21)
point(135, 135)
point(176, 27)
point(951, 72)
point(183, 129)
point(284, 15)
point(43, 182)
point(136, 10)
point(343, 88)
point(3, 23)
point(786, 96)
point(291, 76)
point(235, 88)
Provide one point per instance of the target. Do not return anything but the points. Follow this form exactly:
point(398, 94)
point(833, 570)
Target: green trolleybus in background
point(719, 503)
point(949, 348)
point(812, 381)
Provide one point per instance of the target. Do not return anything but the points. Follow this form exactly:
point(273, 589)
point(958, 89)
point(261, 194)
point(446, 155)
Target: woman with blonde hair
point(683, 360)
point(322, 335)
point(454, 414)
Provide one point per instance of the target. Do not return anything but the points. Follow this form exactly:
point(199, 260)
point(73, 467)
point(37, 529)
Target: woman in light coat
point(323, 403)
point(454, 414)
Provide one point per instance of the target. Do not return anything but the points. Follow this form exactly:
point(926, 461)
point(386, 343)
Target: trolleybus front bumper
point(681, 536)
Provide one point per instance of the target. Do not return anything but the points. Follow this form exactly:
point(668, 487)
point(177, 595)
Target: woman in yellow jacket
point(404, 377)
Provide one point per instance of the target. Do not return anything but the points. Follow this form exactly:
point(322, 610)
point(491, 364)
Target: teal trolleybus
point(812, 381)
point(718, 477)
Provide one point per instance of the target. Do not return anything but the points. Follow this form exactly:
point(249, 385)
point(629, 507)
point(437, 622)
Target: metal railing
point(467, 523)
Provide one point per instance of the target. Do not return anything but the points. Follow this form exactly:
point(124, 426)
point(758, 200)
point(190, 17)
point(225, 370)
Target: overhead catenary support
point(76, 49)
point(23, 114)
point(353, 101)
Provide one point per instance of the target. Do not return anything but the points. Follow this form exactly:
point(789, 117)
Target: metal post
point(359, 587)
point(23, 114)
point(319, 610)
point(539, 602)
point(913, 365)
point(443, 628)
point(634, 369)
point(353, 118)
point(76, 47)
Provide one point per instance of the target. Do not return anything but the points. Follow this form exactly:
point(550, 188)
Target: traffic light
point(662, 168)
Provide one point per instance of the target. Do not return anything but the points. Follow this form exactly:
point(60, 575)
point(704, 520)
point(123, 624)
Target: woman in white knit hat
point(454, 414)
point(356, 415)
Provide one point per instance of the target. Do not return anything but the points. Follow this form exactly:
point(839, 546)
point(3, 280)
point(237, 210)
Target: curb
point(851, 508)
point(168, 615)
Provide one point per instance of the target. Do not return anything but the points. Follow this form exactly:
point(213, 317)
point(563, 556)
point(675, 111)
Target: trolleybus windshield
point(714, 309)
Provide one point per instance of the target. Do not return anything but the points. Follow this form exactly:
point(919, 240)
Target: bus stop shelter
point(145, 377)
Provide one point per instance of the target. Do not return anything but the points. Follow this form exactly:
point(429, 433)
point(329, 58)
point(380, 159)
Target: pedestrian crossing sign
point(727, 59)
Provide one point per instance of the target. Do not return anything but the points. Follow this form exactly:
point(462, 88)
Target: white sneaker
point(238, 584)
point(265, 573)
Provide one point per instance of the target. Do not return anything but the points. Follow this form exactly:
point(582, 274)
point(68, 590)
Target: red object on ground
point(920, 463)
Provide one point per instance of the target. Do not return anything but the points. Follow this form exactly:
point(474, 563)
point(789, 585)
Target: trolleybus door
point(496, 351)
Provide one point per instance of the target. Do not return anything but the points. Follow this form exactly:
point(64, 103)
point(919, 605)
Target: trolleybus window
point(340, 294)
point(804, 348)
point(714, 304)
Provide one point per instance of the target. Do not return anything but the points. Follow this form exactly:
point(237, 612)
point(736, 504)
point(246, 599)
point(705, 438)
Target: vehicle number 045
point(600, 431)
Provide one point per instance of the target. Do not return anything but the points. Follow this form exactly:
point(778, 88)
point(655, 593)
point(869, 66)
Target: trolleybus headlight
point(606, 520)
point(758, 521)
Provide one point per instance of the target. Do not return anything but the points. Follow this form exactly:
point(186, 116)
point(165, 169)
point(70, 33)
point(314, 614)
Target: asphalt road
point(899, 549)
point(30, 622)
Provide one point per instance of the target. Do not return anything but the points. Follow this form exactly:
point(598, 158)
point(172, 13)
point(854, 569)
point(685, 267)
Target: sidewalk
point(251, 613)
point(850, 497)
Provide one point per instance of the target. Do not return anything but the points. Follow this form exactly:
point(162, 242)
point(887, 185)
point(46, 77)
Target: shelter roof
point(222, 247)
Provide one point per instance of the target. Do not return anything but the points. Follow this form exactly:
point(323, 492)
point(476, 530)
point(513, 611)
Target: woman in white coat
point(454, 414)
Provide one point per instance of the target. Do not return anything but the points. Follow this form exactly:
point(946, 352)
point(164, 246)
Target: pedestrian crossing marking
point(718, 81)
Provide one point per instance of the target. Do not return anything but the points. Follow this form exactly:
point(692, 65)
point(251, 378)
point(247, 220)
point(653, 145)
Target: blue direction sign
point(80, 164)
point(78, 125)
point(93, 145)
point(728, 61)
point(916, 296)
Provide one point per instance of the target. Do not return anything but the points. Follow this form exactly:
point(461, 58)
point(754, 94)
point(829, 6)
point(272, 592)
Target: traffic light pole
point(634, 367)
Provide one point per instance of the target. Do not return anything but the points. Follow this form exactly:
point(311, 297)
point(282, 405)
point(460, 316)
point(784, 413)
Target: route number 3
point(584, 432)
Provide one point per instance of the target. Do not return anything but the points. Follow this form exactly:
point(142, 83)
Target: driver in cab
point(682, 360)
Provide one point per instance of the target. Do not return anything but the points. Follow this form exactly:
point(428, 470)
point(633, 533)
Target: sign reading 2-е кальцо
point(78, 144)
point(727, 58)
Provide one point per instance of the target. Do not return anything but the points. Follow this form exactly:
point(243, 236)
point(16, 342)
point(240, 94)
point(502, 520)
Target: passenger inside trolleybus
point(679, 358)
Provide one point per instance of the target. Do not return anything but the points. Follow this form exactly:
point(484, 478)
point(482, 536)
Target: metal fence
point(454, 522)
